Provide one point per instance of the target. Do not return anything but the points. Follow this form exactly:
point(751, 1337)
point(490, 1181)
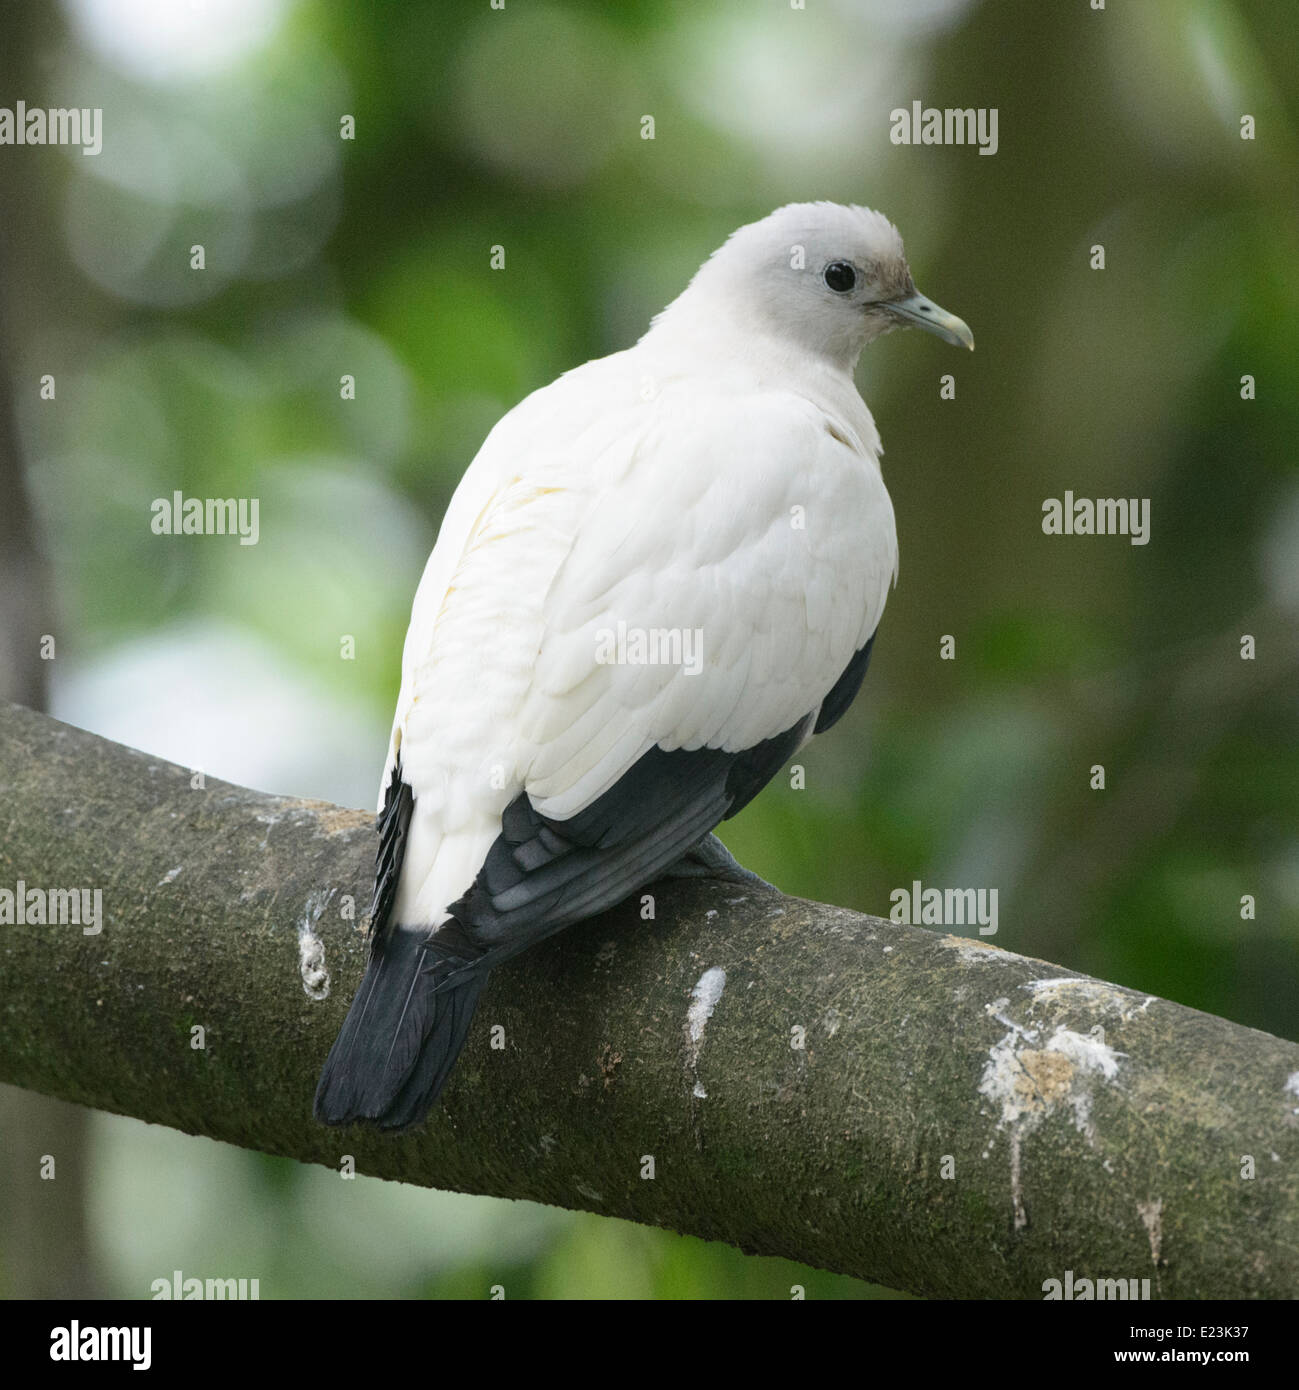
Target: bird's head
point(823, 277)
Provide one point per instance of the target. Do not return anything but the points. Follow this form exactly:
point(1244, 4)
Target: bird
point(659, 577)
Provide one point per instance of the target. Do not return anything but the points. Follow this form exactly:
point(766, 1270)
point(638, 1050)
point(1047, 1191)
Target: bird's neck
point(740, 339)
point(700, 344)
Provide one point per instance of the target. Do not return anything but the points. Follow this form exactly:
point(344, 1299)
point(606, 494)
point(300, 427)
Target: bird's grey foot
point(711, 859)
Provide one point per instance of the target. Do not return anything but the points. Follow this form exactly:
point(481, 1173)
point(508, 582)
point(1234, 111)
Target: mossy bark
point(917, 1109)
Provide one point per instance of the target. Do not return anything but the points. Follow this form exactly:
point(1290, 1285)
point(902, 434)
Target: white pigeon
point(659, 577)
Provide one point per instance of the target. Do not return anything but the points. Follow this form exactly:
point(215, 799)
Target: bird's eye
point(840, 276)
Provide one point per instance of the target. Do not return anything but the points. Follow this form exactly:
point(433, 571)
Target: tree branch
point(951, 1125)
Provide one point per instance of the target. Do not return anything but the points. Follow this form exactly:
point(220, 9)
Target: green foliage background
point(521, 127)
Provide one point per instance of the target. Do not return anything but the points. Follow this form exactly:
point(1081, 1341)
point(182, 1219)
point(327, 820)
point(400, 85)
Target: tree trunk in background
point(44, 1244)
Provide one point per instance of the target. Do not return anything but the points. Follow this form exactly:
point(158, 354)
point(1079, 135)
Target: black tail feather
point(455, 1005)
point(403, 1033)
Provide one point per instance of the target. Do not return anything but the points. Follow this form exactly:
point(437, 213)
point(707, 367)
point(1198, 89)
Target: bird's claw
point(711, 859)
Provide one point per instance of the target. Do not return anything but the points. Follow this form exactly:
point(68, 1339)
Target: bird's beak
point(924, 313)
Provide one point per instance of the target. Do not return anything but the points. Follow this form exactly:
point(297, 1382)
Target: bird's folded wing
point(638, 631)
point(748, 550)
point(711, 600)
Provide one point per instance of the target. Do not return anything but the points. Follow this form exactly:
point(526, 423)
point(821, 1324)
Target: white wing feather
point(731, 523)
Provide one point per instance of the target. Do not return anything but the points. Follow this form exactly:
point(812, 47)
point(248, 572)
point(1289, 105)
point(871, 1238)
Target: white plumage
point(720, 478)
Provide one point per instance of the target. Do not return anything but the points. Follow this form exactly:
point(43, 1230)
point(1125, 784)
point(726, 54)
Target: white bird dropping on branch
point(661, 575)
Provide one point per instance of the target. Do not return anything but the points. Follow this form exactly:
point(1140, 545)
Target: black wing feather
point(542, 874)
point(392, 823)
point(844, 691)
